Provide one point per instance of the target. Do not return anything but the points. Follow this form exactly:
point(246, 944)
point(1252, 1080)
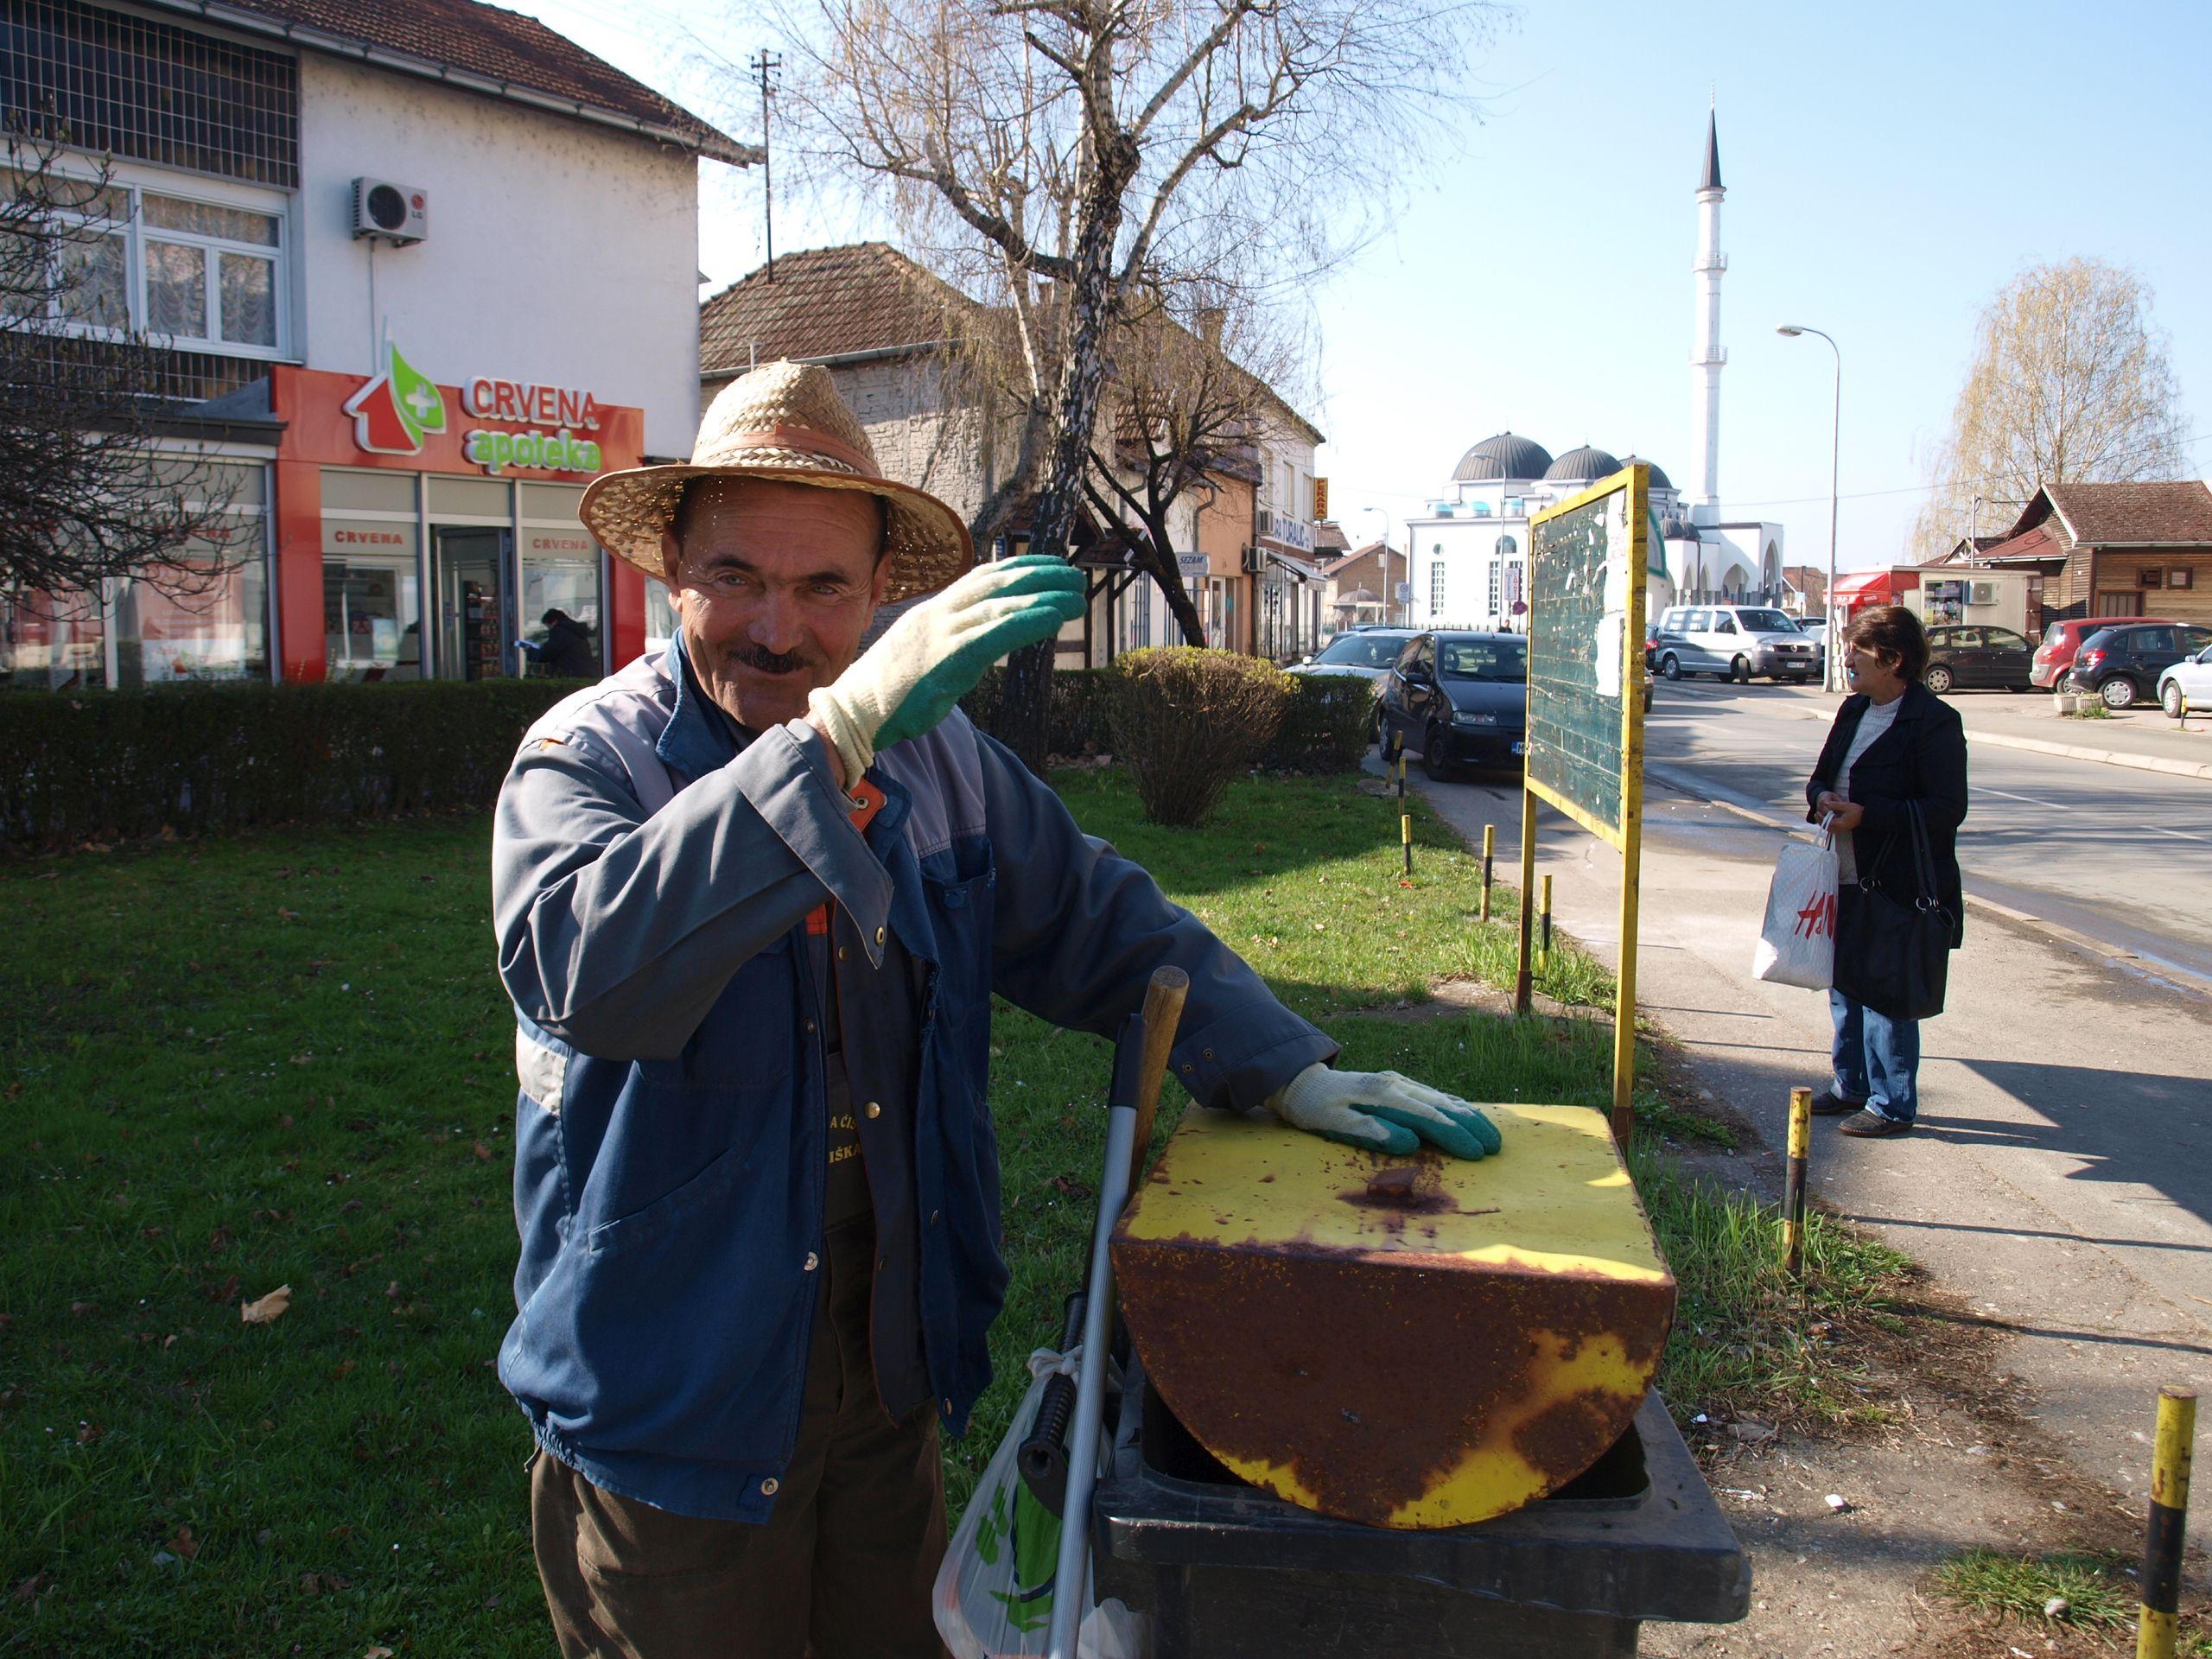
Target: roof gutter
point(840, 360)
point(706, 142)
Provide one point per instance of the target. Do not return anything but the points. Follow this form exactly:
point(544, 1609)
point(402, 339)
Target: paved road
point(2120, 855)
point(2060, 1178)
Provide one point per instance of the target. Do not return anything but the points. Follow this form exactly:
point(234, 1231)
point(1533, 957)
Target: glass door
point(468, 571)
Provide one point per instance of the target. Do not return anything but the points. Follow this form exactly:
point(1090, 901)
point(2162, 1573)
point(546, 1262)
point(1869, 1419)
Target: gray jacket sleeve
point(618, 929)
point(1079, 930)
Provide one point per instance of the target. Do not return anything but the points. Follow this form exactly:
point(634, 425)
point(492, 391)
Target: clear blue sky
point(1888, 166)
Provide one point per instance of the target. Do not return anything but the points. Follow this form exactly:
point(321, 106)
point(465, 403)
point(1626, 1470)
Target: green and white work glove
point(1382, 1112)
point(930, 658)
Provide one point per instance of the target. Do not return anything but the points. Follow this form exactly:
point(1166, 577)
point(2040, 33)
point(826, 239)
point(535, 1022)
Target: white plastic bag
point(1797, 944)
point(994, 1595)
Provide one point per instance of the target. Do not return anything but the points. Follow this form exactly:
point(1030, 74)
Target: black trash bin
point(1220, 1569)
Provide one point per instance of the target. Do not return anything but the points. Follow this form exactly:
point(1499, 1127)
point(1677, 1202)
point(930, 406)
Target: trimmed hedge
point(1186, 721)
point(1327, 722)
point(209, 759)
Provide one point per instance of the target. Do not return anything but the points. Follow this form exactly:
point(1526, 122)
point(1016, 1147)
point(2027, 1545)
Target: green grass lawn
point(238, 1066)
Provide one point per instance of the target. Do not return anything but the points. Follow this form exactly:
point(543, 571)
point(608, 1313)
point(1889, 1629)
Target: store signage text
point(395, 410)
point(372, 537)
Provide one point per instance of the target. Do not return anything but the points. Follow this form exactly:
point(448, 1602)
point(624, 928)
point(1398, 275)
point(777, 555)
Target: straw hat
point(783, 421)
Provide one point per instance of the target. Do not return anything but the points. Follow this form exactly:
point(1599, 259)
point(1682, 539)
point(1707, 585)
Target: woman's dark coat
point(567, 652)
point(1922, 757)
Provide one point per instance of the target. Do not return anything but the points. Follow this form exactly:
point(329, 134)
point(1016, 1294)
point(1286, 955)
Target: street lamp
point(1384, 541)
point(1833, 654)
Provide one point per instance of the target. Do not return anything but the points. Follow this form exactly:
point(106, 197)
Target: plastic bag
point(1798, 943)
point(994, 1595)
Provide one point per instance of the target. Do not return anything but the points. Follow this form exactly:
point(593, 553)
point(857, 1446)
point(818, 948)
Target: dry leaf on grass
point(270, 1309)
point(184, 1543)
point(483, 1152)
point(379, 1652)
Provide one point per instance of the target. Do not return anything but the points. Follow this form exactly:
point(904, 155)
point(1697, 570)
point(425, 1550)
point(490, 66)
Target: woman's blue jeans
point(1877, 1058)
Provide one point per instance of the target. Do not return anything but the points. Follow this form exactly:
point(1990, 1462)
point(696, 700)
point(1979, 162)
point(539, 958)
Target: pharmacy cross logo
point(393, 411)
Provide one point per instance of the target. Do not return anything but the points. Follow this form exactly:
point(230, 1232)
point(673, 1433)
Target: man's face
point(774, 585)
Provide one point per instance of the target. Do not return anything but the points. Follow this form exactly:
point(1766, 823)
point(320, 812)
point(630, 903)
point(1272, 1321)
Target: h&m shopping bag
point(1797, 944)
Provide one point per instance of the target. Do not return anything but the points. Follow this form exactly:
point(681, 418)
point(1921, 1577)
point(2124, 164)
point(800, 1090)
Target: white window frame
point(137, 182)
point(1436, 586)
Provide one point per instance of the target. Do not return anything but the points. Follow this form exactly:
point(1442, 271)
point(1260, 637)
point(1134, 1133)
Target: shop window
point(53, 642)
point(660, 616)
point(200, 623)
point(372, 609)
point(560, 580)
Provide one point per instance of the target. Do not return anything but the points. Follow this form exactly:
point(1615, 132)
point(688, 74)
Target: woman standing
point(1895, 749)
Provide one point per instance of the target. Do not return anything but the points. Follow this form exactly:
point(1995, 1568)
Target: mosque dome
point(1504, 456)
point(1659, 479)
point(1677, 529)
point(1581, 466)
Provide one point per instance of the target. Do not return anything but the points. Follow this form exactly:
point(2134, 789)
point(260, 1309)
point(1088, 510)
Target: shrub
point(1074, 722)
point(1186, 722)
point(1327, 722)
point(120, 765)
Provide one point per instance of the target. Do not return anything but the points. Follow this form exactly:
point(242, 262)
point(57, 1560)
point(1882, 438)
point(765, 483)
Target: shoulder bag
point(1893, 953)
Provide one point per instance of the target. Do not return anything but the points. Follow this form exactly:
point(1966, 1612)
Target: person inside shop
point(1890, 784)
point(567, 652)
point(753, 898)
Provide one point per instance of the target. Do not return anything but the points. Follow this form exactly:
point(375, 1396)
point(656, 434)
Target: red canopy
point(1861, 585)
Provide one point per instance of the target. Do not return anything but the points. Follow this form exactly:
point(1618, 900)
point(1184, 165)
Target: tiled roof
point(2146, 515)
point(2044, 541)
point(479, 47)
point(864, 296)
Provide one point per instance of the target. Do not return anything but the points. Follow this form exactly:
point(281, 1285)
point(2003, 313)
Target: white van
point(1734, 642)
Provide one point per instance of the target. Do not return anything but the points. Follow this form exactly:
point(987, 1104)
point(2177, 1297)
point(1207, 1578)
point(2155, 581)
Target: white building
point(418, 271)
point(1468, 553)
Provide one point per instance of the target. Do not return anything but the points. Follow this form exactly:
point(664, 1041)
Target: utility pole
point(765, 64)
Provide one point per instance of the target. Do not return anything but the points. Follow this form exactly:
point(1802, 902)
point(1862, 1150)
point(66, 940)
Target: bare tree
point(1189, 401)
point(1066, 152)
point(2069, 383)
point(84, 494)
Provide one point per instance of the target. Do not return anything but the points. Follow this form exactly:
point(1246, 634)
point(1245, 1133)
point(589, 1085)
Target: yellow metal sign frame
point(1628, 834)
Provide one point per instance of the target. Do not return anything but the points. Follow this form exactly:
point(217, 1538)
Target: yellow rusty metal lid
point(1412, 1342)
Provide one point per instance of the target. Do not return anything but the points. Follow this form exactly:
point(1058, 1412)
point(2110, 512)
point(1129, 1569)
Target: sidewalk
point(2056, 1179)
point(2144, 738)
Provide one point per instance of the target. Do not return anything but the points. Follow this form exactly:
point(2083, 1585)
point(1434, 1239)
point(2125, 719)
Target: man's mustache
point(767, 662)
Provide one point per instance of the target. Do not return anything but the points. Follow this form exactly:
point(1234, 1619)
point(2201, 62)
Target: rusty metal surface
point(1402, 1342)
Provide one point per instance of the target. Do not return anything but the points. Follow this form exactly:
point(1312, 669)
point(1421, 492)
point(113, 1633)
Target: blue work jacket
point(649, 892)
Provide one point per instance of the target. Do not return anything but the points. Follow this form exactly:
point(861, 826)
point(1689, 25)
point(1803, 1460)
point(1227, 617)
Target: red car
point(2060, 640)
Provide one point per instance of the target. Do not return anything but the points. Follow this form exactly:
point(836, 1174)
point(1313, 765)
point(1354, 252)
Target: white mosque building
point(1468, 554)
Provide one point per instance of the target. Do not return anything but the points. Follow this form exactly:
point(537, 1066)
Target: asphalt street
point(2059, 1178)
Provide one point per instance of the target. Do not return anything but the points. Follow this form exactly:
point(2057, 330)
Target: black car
point(1971, 656)
point(1460, 699)
point(2122, 665)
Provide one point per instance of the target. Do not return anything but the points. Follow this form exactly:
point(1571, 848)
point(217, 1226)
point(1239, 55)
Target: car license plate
point(1520, 749)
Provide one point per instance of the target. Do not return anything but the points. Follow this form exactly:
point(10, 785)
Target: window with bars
point(197, 275)
point(1496, 585)
point(1436, 589)
point(124, 85)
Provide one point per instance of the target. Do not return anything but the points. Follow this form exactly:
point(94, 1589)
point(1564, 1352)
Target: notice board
point(1587, 558)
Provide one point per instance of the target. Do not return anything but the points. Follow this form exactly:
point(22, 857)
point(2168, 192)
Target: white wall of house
point(558, 251)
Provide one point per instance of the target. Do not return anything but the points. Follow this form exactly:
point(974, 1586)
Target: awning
point(1859, 585)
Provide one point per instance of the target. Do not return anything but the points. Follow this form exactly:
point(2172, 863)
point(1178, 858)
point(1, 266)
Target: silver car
point(1734, 642)
point(2186, 685)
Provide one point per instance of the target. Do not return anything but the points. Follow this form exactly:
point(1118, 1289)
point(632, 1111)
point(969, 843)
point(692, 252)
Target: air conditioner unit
point(399, 213)
point(1255, 561)
point(1982, 593)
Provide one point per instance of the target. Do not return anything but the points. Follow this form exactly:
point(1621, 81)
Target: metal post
point(766, 63)
point(2162, 1543)
point(1547, 954)
point(1405, 815)
point(1490, 857)
point(1793, 1219)
point(1524, 979)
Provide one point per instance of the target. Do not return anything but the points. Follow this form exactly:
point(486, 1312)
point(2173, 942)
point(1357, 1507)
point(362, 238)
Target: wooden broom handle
point(1163, 1011)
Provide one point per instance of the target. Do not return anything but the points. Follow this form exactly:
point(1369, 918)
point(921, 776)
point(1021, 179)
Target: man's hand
point(933, 654)
point(1382, 1112)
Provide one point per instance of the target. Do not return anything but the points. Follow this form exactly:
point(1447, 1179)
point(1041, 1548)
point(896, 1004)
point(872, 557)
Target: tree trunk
point(1156, 557)
point(1090, 299)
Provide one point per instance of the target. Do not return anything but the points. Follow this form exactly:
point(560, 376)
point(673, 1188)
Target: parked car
point(1977, 656)
point(1461, 698)
point(2122, 665)
point(2190, 678)
point(2060, 640)
point(1366, 652)
point(1734, 642)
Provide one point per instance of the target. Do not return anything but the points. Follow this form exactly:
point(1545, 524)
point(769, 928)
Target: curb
point(2107, 756)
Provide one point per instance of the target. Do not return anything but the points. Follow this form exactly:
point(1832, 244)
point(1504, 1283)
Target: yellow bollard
point(1489, 853)
point(1793, 1219)
point(2162, 1543)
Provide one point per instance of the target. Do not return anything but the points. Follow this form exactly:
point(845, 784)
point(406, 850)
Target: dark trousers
point(843, 1568)
point(1877, 1058)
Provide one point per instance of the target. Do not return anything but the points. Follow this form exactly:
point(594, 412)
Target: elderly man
point(752, 899)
